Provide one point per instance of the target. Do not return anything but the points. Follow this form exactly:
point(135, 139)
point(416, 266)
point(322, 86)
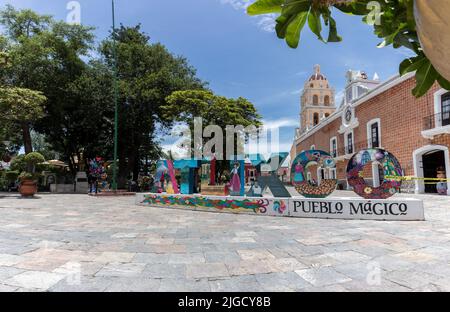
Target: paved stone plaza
point(81, 243)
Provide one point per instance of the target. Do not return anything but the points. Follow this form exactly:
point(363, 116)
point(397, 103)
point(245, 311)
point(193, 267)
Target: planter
point(433, 24)
point(28, 188)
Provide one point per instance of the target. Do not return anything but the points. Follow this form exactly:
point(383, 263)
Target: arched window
point(316, 119)
point(311, 85)
point(316, 99)
point(327, 115)
point(327, 100)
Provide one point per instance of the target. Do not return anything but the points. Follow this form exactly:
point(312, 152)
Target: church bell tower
point(317, 101)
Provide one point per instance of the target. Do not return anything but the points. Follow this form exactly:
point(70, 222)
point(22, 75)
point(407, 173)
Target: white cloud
point(302, 73)
point(265, 22)
point(339, 97)
point(237, 4)
point(280, 123)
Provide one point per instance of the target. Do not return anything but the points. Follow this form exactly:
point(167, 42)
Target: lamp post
point(116, 106)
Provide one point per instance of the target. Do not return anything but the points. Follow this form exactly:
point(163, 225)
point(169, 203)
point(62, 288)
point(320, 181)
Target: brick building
point(384, 115)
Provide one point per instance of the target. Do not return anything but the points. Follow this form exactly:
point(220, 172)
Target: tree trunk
point(27, 138)
point(136, 167)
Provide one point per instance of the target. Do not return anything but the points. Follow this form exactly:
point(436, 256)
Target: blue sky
point(237, 54)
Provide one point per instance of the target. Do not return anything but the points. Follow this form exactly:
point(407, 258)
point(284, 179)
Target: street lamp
point(116, 106)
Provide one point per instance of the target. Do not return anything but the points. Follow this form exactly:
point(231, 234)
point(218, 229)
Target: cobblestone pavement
point(81, 243)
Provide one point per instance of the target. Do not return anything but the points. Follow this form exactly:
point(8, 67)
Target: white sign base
point(393, 209)
point(352, 208)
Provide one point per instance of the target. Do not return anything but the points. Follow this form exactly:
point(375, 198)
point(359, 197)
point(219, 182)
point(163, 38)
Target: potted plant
point(29, 178)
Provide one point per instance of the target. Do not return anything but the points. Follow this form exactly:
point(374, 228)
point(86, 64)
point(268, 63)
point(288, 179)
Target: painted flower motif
point(368, 190)
point(392, 191)
point(359, 188)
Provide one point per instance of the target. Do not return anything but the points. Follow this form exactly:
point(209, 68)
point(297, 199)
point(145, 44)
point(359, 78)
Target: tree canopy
point(62, 63)
point(21, 107)
point(184, 106)
point(147, 74)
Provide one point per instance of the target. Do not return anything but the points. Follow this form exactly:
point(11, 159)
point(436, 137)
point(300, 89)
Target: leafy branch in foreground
point(393, 21)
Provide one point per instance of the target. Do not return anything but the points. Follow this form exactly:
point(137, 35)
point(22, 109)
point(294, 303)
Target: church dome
point(317, 74)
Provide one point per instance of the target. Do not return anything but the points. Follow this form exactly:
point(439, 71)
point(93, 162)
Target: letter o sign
point(301, 166)
point(391, 168)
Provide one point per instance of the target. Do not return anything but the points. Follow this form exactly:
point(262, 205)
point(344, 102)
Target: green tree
point(41, 145)
point(85, 119)
point(46, 55)
point(184, 106)
point(147, 74)
point(22, 107)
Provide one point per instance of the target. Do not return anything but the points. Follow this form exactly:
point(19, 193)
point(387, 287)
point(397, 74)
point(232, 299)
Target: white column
point(375, 175)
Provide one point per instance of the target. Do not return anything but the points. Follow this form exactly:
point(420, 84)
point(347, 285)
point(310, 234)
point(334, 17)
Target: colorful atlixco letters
point(373, 206)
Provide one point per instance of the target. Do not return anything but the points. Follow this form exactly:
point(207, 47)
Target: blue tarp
point(188, 163)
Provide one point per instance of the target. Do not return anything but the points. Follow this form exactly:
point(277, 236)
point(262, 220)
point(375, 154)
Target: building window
point(441, 115)
point(333, 147)
point(316, 119)
point(326, 174)
point(327, 115)
point(445, 109)
point(349, 143)
point(374, 133)
point(333, 175)
point(321, 175)
point(316, 99)
point(327, 100)
point(349, 95)
point(362, 90)
point(375, 136)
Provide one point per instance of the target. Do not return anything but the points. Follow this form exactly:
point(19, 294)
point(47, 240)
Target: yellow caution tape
point(398, 178)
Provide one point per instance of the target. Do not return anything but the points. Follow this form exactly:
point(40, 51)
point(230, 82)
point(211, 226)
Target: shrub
point(34, 158)
point(18, 164)
point(11, 176)
point(29, 176)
